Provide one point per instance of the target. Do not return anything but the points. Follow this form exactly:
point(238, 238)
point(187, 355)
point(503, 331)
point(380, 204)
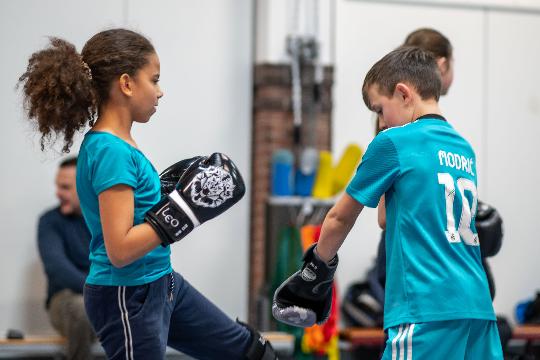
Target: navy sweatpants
point(138, 322)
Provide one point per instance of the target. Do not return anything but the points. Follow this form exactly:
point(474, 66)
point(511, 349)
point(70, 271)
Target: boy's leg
point(131, 322)
point(484, 341)
point(199, 329)
point(432, 340)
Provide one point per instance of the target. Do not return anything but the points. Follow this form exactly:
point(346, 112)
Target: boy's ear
point(126, 84)
point(442, 64)
point(404, 92)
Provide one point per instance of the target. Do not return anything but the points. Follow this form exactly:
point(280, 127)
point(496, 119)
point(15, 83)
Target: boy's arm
point(381, 213)
point(305, 298)
point(337, 225)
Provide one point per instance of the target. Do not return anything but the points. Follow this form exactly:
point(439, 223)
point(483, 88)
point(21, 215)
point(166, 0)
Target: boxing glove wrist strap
point(181, 203)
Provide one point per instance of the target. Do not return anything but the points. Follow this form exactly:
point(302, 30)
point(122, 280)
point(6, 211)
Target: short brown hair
point(430, 40)
point(69, 161)
point(406, 64)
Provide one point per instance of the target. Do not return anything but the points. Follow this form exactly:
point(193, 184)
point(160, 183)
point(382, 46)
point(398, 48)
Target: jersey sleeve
point(113, 165)
point(376, 173)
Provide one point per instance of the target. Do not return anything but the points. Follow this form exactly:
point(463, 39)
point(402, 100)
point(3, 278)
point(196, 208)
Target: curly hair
point(58, 92)
point(63, 90)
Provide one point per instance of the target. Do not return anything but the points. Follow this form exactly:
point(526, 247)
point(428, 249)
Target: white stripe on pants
point(398, 343)
point(125, 322)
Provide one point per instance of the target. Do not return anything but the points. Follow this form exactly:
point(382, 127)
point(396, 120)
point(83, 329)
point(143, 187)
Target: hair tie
point(87, 69)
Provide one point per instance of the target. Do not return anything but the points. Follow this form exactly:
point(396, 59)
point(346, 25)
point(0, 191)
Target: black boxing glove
point(489, 226)
point(305, 298)
point(208, 187)
point(170, 176)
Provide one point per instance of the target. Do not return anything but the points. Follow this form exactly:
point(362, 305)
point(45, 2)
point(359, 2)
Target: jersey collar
point(431, 116)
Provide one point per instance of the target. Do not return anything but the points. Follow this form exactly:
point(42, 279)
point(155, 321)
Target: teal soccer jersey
point(427, 173)
point(104, 161)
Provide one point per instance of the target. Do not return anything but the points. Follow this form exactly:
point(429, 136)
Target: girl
point(135, 301)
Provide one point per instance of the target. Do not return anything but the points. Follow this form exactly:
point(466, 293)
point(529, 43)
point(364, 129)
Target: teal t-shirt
point(427, 172)
point(104, 161)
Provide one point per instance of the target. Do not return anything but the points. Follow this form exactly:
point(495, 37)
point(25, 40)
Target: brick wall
point(273, 129)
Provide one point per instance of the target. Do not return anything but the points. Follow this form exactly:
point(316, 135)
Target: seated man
point(63, 241)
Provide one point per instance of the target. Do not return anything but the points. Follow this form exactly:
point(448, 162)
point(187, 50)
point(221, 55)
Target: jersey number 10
point(464, 230)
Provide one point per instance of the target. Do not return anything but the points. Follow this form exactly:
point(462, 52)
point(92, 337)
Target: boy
point(436, 286)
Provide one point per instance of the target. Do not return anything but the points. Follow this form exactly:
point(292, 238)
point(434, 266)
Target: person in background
point(440, 47)
point(63, 241)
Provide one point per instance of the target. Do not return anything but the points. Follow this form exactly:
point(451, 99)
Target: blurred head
point(65, 90)
point(66, 190)
point(433, 41)
point(397, 83)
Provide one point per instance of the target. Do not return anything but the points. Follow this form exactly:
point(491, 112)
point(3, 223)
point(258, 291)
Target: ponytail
point(58, 93)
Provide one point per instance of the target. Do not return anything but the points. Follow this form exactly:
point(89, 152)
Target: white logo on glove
point(308, 274)
point(212, 187)
point(169, 219)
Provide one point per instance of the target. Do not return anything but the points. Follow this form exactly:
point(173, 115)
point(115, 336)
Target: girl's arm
point(124, 242)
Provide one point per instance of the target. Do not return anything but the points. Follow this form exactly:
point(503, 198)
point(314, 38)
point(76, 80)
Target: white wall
point(206, 58)
point(513, 114)
point(494, 102)
point(512, 5)
point(278, 19)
